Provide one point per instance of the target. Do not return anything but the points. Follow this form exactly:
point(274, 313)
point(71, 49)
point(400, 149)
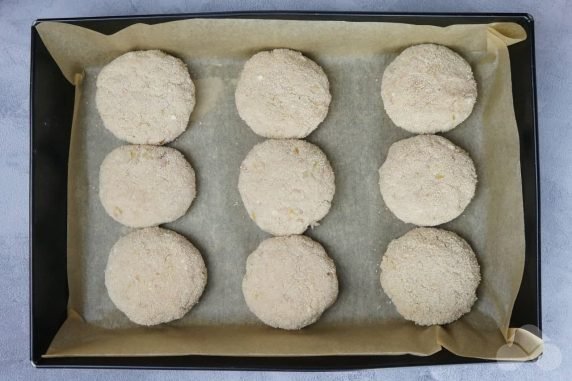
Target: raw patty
point(142, 185)
point(154, 276)
point(426, 180)
point(282, 94)
point(428, 88)
point(289, 282)
point(145, 97)
point(431, 276)
point(286, 185)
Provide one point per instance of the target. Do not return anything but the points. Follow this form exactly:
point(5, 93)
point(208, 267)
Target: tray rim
point(310, 363)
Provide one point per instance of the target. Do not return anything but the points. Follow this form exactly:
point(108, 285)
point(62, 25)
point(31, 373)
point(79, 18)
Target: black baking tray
point(51, 109)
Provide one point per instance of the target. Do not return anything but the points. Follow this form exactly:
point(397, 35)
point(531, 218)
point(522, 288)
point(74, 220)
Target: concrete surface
point(554, 60)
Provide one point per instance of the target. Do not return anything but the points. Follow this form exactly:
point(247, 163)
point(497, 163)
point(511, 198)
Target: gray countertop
point(554, 60)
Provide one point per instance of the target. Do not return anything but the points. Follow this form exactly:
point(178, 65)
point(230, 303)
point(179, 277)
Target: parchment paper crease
point(355, 135)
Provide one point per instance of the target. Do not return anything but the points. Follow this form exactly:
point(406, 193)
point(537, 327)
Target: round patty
point(431, 276)
point(428, 88)
point(141, 185)
point(282, 94)
point(145, 97)
point(289, 282)
point(286, 185)
point(426, 180)
point(154, 276)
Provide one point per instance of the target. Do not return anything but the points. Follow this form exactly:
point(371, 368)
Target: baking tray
point(51, 109)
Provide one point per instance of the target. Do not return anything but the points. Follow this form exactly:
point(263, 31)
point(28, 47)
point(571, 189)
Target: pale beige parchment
point(355, 135)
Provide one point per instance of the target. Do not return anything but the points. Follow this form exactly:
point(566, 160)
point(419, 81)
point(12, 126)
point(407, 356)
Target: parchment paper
point(355, 135)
